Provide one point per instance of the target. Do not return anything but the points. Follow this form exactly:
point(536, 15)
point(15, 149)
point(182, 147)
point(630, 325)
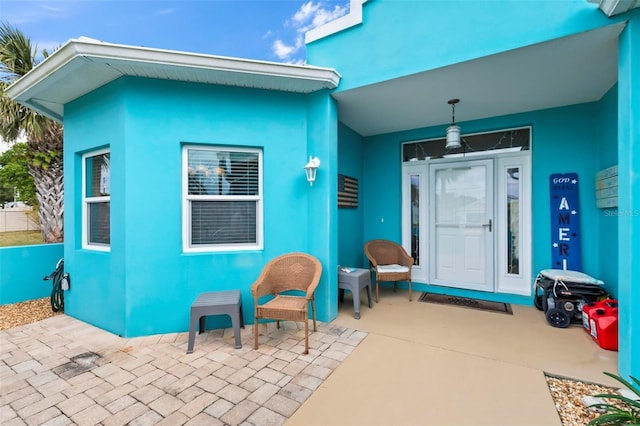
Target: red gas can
point(600, 320)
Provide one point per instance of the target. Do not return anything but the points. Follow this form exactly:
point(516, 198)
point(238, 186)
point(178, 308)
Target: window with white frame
point(222, 202)
point(96, 200)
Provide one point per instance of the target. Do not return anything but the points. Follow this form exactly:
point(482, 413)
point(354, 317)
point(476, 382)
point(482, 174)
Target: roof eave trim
point(89, 48)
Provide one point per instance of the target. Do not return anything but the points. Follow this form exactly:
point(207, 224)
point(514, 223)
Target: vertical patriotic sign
point(565, 222)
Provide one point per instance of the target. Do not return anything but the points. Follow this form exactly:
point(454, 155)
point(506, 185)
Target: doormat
point(464, 302)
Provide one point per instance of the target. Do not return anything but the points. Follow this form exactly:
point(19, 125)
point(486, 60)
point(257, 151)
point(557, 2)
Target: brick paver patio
point(62, 371)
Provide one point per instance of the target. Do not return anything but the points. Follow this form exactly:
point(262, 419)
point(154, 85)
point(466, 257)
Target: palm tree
point(44, 136)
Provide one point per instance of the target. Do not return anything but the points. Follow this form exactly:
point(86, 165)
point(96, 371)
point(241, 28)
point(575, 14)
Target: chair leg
point(255, 334)
point(313, 314)
point(306, 336)
point(410, 290)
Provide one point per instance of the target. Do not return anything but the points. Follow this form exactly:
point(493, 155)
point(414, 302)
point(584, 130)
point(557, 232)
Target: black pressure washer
point(61, 282)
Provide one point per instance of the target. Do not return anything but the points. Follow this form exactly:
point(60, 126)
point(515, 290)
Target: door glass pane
point(513, 220)
point(415, 218)
point(460, 196)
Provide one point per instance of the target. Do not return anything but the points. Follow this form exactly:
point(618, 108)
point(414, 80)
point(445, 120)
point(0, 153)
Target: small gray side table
point(354, 281)
point(216, 303)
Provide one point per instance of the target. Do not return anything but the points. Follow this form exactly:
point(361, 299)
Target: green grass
point(20, 238)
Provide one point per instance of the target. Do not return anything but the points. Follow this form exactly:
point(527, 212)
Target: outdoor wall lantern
point(453, 131)
point(311, 168)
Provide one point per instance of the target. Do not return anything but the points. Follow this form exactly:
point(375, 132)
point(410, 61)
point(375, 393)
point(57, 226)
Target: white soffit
point(571, 70)
point(82, 65)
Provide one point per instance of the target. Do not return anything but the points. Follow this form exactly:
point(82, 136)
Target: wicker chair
point(293, 271)
point(390, 262)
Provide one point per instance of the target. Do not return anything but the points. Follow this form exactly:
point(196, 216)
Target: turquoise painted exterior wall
point(22, 270)
point(399, 38)
point(607, 128)
point(97, 295)
point(629, 198)
point(146, 284)
point(350, 220)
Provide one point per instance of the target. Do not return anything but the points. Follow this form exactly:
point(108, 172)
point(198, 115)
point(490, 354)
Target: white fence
point(17, 219)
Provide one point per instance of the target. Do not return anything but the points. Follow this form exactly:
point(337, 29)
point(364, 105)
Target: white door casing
point(457, 250)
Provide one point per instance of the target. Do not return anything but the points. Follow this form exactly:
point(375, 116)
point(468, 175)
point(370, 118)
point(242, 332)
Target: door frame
point(505, 282)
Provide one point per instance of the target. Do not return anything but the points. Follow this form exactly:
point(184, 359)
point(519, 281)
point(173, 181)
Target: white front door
point(462, 224)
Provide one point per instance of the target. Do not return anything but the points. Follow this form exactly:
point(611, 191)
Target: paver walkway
point(63, 371)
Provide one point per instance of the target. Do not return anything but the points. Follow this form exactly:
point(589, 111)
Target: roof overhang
point(83, 65)
point(571, 70)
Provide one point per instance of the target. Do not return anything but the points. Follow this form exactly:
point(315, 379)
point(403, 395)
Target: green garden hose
point(60, 283)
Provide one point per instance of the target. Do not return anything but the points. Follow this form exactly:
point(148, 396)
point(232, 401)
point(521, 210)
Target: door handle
point(490, 224)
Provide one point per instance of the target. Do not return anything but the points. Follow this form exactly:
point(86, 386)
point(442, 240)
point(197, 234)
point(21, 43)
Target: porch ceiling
point(570, 70)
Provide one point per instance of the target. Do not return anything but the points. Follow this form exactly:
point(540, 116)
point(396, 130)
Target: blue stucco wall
point(22, 270)
point(399, 38)
point(629, 197)
point(98, 294)
point(607, 128)
point(350, 229)
point(146, 284)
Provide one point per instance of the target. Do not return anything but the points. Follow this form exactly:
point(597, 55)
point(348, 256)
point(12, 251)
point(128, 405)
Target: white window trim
point(89, 200)
point(186, 199)
point(514, 283)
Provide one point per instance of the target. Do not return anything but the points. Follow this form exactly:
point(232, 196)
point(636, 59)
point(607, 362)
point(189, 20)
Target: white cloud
point(310, 15)
point(282, 50)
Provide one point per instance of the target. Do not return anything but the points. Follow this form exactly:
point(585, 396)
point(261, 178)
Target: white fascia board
point(89, 48)
point(353, 18)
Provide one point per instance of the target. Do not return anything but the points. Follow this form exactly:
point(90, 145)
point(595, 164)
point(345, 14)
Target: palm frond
point(17, 55)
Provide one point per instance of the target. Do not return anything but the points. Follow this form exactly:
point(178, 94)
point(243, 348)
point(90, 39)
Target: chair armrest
point(260, 288)
point(314, 283)
point(405, 259)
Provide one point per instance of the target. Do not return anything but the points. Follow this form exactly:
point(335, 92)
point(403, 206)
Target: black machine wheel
point(558, 318)
point(537, 302)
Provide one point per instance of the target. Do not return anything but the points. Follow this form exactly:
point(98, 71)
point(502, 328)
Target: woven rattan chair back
point(385, 252)
point(286, 273)
point(295, 271)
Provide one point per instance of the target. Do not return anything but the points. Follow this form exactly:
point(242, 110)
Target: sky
point(270, 30)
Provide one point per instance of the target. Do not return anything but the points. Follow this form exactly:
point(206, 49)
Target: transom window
point(96, 200)
point(222, 202)
point(472, 144)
